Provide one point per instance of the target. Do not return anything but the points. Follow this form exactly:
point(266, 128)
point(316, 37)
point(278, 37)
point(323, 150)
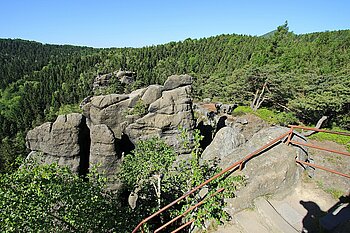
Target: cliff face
point(111, 125)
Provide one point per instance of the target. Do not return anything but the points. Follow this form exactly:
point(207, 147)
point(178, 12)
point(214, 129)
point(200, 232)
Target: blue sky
point(136, 23)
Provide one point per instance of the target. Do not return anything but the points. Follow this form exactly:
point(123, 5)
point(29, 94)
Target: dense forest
point(306, 75)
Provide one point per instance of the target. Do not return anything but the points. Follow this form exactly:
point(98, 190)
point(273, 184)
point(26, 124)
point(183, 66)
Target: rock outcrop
point(165, 115)
point(225, 141)
point(104, 80)
point(61, 141)
point(111, 124)
point(274, 171)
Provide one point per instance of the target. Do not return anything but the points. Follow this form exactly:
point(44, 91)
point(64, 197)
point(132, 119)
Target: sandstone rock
point(166, 114)
point(175, 81)
point(60, 140)
point(112, 110)
point(173, 101)
point(136, 96)
point(127, 80)
point(126, 77)
point(272, 172)
point(248, 125)
point(103, 151)
point(108, 121)
point(104, 101)
point(101, 81)
point(225, 141)
point(152, 93)
point(122, 73)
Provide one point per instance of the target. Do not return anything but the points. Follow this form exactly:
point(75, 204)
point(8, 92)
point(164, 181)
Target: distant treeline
point(306, 75)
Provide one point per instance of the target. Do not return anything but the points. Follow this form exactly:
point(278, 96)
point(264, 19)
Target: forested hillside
point(305, 75)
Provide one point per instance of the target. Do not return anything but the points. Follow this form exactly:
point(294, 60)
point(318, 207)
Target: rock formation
point(104, 80)
point(274, 171)
point(111, 124)
point(64, 141)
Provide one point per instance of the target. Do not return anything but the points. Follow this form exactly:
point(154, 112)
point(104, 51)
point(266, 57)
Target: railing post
point(291, 131)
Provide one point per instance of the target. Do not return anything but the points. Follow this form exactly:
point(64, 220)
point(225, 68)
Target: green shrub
point(241, 110)
point(152, 163)
point(139, 109)
point(50, 198)
point(69, 108)
point(270, 116)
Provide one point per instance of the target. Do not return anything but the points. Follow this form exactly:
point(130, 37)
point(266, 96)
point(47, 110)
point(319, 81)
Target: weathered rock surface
point(109, 122)
point(152, 93)
point(175, 81)
point(104, 80)
point(112, 110)
point(165, 115)
point(59, 140)
point(273, 171)
point(225, 141)
point(103, 149)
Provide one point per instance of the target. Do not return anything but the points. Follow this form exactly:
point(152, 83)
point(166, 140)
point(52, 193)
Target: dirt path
point(334, 184)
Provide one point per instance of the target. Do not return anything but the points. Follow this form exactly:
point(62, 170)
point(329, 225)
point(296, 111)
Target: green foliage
point(11, 151)
point(240, 110)
point(69, 108)
point(49, 198)
point(150, 157)
point(149, 161)
point(139, 109)
point(270, 116)
point(274, 117)
point(341, 139)
point(153, 157)
point(197, 173)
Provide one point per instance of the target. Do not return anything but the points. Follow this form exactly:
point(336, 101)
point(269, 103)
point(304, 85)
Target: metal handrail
point(318, 147)
point(318, 130)
point(239, 164)
point(322, 168)
point(188, 210)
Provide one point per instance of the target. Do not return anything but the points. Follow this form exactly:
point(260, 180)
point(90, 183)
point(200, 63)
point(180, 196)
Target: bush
point(270, 116)
point(69, 108)
point(150, 172)
point(139, 109)
point(241, 110)
point(49, 198)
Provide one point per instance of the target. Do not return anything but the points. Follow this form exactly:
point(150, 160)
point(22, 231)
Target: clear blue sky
point(136, 23)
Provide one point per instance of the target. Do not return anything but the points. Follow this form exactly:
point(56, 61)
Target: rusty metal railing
point(289, 140)
point(239, 165)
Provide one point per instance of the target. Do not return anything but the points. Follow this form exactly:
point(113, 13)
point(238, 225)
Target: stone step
point(250, 221)
point(273, 219)
point(262, 219)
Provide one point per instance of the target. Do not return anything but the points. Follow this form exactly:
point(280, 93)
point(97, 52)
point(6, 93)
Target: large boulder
point(225, 141)
point(112, 124)
point(103, 149)
point(273, 171)
point(60, 140)
point(152, 93)
point(175, 81)
point(102, 82)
